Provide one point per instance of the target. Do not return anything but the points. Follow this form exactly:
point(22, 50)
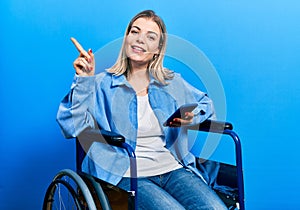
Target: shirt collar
point(153, 80)
point(118, 80)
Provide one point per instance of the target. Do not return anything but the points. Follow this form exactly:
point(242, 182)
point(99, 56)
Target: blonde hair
point(155, 66)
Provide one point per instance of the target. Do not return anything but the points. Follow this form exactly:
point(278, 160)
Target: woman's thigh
point(189, 190)
point(151, 196)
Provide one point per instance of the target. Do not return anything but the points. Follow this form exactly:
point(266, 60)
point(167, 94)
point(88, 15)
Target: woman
point(134, 98)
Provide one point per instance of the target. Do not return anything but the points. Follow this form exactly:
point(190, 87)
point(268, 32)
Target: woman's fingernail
point(90, 50)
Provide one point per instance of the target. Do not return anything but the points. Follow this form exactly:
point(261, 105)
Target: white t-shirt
point(151, 155)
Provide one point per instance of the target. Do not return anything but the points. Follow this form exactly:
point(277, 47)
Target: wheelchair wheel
point(101, 200)
point(68, 191)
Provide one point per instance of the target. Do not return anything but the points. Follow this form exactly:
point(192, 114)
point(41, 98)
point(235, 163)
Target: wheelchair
point(78, 190)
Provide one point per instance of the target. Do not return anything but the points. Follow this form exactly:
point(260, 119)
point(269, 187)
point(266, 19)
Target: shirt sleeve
point(76, 110)
point(205, 109)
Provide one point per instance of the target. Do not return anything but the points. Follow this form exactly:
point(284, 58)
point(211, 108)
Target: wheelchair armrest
point(90, 135)
point(211, 126)
point(112, 138)
point(96, 135)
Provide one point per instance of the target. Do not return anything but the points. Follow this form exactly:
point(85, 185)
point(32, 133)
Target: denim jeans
point(179, 189)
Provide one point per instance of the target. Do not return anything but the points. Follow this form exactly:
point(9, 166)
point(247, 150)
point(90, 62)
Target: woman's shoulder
point(177, 75)
point(178, 82)
point(103, 76)
point(177, 78)
point(108, 80)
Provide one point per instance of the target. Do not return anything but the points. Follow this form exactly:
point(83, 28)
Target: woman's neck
point(139, 79)
point(138, 66)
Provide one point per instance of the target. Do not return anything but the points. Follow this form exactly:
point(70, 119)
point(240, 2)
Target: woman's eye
point(134, 32)
point(151, 38)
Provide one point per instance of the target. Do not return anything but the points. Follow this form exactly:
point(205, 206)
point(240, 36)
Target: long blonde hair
point(155, 66)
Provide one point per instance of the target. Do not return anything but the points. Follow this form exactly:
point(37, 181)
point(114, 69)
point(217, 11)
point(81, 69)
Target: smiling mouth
point(138, 49)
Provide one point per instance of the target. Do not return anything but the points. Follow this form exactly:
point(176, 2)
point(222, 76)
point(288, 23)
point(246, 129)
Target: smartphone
point(180, 112)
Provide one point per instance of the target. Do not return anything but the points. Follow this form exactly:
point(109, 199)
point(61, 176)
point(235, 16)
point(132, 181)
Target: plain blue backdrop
point(254, 46)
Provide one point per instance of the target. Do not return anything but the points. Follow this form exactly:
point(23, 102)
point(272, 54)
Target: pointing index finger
point(79, 47)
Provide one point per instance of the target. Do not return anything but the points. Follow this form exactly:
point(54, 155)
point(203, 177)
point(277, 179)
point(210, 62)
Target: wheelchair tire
point(68, 191)
point(100, 197)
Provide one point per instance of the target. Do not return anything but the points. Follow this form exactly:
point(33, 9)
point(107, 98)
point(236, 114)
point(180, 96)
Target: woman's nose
point(141, 38)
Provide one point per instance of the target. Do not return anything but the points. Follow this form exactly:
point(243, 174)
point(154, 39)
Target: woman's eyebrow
point(136, 27)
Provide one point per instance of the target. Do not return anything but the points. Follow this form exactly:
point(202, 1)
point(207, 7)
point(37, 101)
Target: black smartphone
point(179, 113)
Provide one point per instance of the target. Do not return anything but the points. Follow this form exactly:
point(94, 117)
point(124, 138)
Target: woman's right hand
point(85, 63)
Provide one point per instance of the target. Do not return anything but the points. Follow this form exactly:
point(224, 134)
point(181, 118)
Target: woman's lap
point(179, 189)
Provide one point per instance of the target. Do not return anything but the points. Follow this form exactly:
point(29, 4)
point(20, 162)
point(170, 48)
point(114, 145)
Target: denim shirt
point(109, 102)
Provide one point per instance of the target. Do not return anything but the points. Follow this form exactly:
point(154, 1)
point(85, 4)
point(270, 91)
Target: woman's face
point(142, 41)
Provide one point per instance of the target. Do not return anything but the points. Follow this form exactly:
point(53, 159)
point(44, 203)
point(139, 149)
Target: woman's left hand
point(186, 120)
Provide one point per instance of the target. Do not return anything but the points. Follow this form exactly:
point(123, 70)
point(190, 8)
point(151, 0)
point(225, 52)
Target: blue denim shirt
point(109, 102)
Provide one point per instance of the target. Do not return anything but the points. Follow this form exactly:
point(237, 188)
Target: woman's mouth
point(138, 49)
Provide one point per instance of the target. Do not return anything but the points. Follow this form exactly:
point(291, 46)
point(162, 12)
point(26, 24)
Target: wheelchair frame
point(88, 193)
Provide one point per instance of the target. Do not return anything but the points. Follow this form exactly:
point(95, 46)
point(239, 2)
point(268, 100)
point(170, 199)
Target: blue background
point(254, 46)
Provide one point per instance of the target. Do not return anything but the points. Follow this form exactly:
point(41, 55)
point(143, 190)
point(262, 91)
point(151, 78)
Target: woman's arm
point(76, 110)
point(204, 110)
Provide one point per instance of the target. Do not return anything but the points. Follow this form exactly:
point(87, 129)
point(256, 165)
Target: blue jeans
point(179, 189)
